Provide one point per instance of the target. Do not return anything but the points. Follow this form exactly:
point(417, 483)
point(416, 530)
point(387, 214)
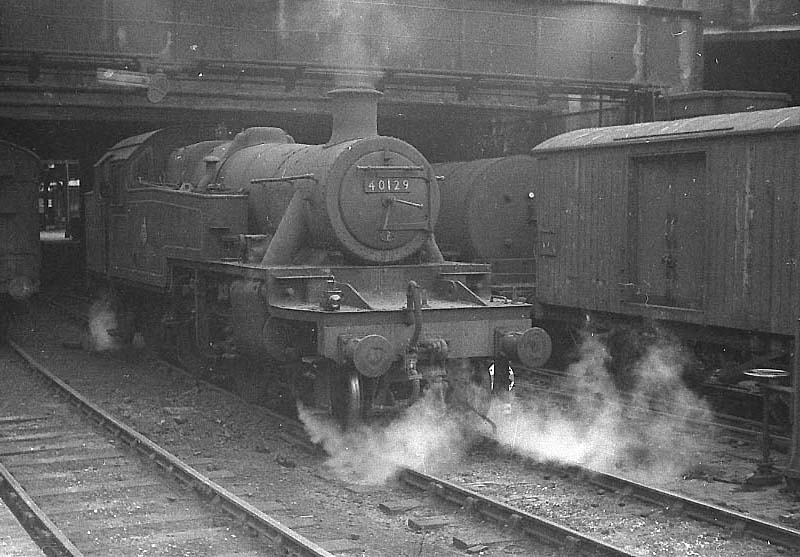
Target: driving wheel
point(347, 401)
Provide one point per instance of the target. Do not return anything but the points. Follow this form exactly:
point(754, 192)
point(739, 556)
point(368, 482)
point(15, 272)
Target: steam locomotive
point(315, 267)
point(20, 256)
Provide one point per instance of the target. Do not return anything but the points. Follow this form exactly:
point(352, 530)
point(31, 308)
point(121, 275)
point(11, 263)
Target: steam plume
point(102, 320)
point(601, 431)
point(358, 35)
point(424, 438)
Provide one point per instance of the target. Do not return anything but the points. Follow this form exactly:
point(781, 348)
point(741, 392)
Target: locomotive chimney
point(355, 113)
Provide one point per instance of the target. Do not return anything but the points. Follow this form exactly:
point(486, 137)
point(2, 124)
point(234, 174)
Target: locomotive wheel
point(347, 401)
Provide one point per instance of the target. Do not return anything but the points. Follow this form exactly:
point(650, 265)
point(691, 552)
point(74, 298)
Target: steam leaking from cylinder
point(600, 431)
point(424, 438)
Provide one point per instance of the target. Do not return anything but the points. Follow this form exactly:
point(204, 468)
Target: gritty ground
point(336, 504)
point(338, 496)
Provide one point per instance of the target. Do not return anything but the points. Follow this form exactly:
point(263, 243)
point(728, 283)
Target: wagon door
point(667, 230)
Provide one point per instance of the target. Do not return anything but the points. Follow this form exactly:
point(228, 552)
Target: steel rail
point(42, 530)
point(739, 523)
point(553, 533)
point(699, 510)
point(295, 434)
point(537, 527)
point(245, 514)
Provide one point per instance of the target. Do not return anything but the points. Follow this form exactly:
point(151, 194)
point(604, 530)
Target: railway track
point(207, 490)
point(290, 428)
point(734, 424)
point(519, 521)
point(502, 502)
point(41, 531)
point(113, 492)
point(661, 501)
point(509, 514)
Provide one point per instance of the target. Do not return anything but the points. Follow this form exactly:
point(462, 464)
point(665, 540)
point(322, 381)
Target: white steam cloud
point(603, 430)
point(102, 320)
point(358, 34)
point(599, 430)
point(426, 437)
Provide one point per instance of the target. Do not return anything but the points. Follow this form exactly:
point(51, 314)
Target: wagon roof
point(738, 123)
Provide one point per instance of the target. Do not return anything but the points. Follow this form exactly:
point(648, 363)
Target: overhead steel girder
point(70, 89)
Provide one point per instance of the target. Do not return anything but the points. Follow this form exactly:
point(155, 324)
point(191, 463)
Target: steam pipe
point(430, 252)
point(414, 304)
point(290, 234)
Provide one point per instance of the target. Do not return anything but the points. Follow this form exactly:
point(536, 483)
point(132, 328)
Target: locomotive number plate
point(387, 185)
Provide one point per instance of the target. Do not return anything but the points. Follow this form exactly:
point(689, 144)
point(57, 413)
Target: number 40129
point(387, 185)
